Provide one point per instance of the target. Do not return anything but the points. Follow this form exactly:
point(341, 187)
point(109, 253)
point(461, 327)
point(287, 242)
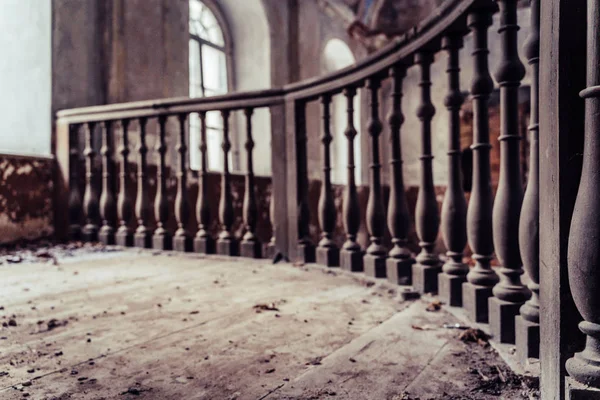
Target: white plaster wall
point(252, 71)
point(25, 76)
point(411, 130)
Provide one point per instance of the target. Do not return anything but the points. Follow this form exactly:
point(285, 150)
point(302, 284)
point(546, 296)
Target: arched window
point(337, 55)
point(208, 66)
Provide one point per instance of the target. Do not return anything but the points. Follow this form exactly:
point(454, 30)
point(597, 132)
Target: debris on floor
point(474, 335)
point(435, 305)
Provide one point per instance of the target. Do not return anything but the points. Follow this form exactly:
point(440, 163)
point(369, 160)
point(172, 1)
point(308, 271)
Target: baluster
point(327, 252)
point(203, 242)
point(428, 266)
point(226, 243)
point(75, 204)
point(583, 249)
point(306, 249)
point(454, 207)
point(400, 261)
point(374, 260)
point(480, 279)
point(250, 246)
point(527, 323)
point(510, 293)
point(107, 199)
point(90, 196)
point(162, 238)
point(143, 235)
point(124, 234)
point(351, 254)
point(182, 241)
point(272, 245)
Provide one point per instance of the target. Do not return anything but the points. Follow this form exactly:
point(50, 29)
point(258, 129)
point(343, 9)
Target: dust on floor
point(88, 322)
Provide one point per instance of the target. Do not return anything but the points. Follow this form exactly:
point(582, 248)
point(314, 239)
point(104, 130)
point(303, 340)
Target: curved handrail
point(451, 15)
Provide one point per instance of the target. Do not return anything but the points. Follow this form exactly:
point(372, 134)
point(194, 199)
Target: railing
point(508, 225)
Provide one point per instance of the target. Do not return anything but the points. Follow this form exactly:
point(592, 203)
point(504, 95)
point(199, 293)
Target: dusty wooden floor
point(158, 326)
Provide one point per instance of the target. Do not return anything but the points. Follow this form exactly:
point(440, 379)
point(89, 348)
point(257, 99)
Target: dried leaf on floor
point(266, 307)
point(474, 335)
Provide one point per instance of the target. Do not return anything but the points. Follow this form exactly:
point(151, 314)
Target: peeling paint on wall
point(26, 209)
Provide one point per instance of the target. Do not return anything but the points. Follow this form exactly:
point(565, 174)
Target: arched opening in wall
point(242, 62)
point(209, 75)
point(337, 55)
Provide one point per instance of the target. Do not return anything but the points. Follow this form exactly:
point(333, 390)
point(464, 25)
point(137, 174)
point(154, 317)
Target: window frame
point(227, 50)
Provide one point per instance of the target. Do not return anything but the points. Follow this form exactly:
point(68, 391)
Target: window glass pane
point(195, 156)
point(214, 138)
point(214, 69)
point(195, 75)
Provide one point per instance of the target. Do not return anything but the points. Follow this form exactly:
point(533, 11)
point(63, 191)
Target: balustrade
point(327, 251)
point(182, 241)
point(143, 235)
point(203, 242)
point(454, 207)
point(511, 225)
point(509, 292)
point(162, 238)
point(124, 235)
point(90, 196)
point(375, 257)
point(400, 260)
point(250, 246)
point(227, 244)
point(107, 199)
point(75, 203)
point(481, 278)
point(306, 249)
point(428, 265)
point(351, 258)
point(584, 250)
point(527, 324)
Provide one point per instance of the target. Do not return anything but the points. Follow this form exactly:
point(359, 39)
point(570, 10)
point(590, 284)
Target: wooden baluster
point(527, 323)
point(428, 266)
point(203, 242)
point(90, 196)
point(351, 258)
point(226, 243)
point(327, 252)
point(306, 249)
point(250, 246)
point(182, 241)
point(75, 203)
point(107, 198)
point(454, 207)
point(143, 235)
point(375, 257)
point(583, 249)
point(162, 238)
point(510, 293)
point(271, 250)
point(124, 234)
point(480, 279)
point(400, 261)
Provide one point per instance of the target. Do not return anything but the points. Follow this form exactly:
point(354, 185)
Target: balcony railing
point(507, 225)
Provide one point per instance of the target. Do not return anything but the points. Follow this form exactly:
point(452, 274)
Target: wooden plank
point(562, 71)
